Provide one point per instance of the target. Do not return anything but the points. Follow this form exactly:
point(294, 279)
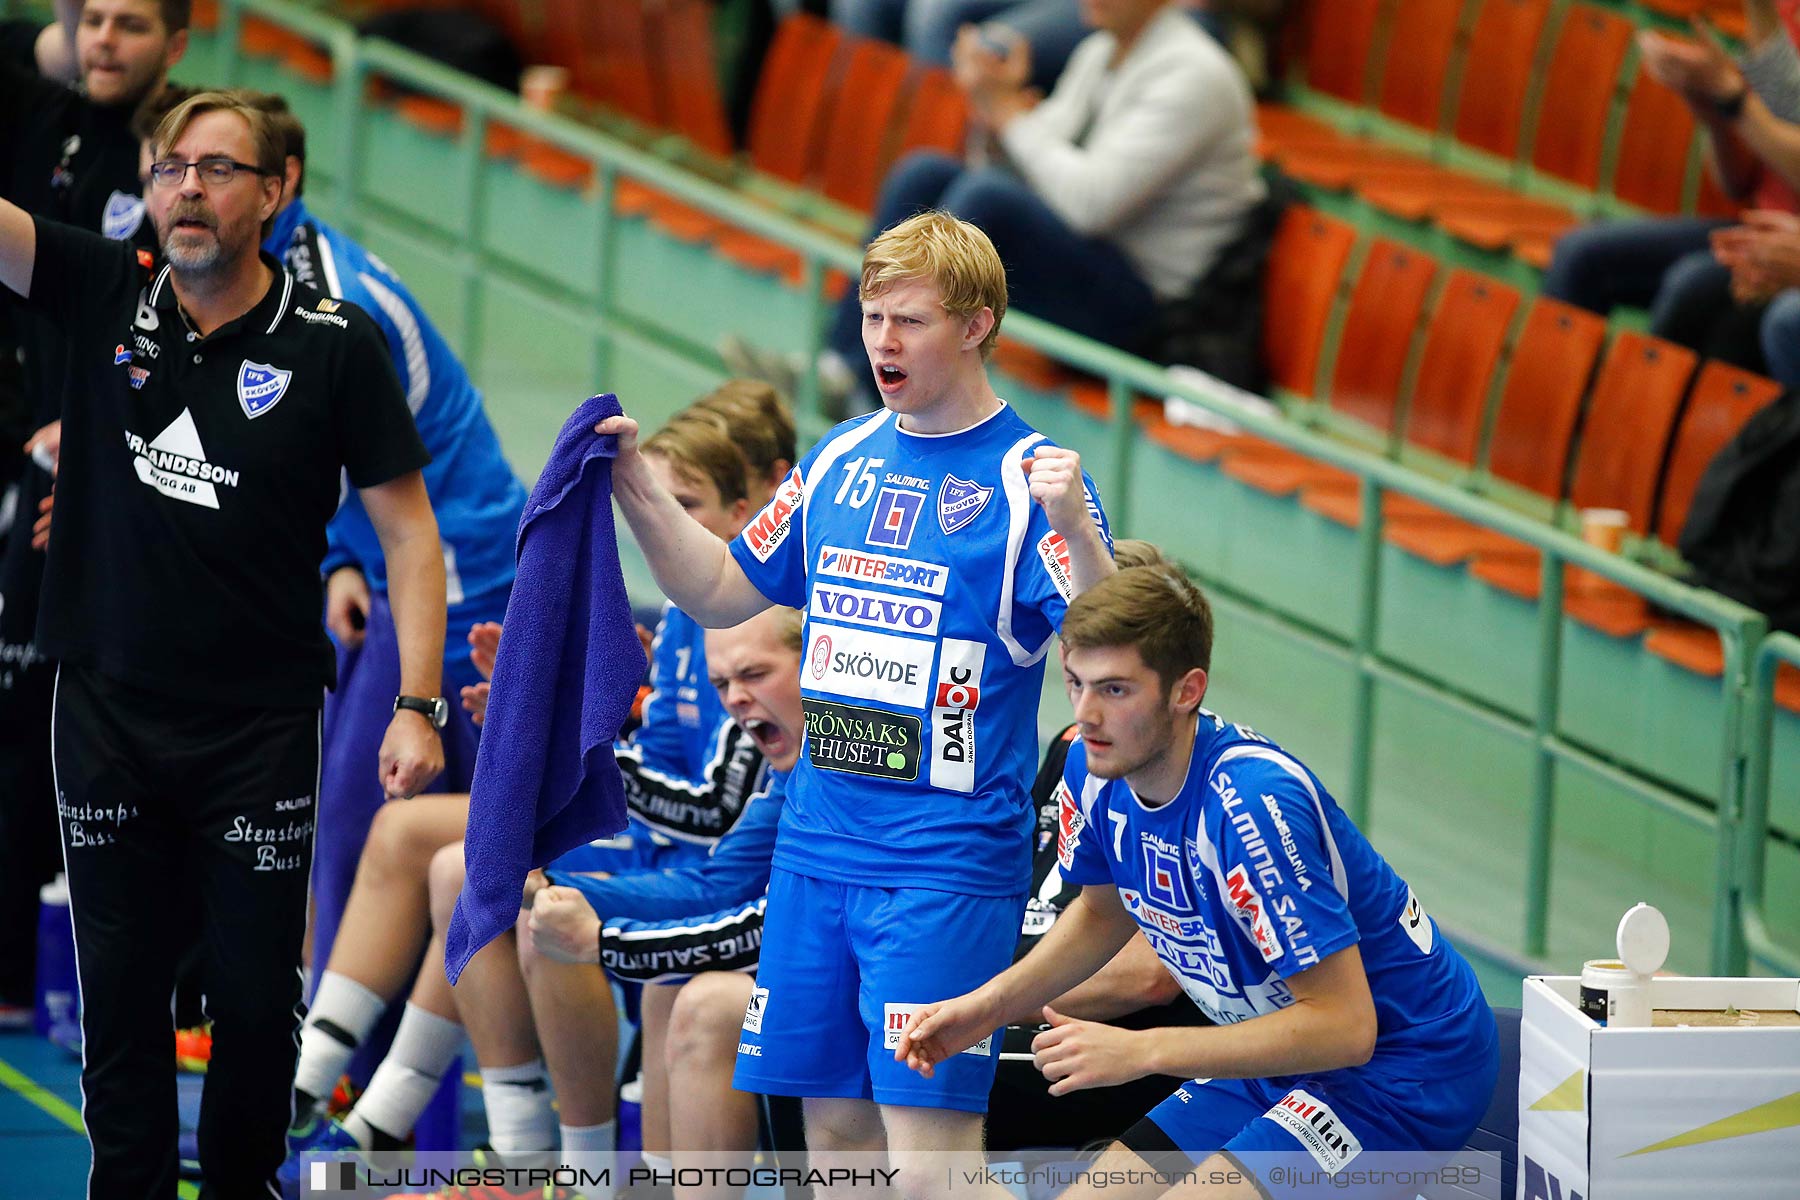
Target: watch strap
point(433, 708)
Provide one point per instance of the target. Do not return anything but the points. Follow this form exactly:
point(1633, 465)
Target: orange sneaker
point(343, 1098)
point(193, 1049)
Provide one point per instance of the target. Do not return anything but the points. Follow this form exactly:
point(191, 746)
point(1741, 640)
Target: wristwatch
point(435, 709)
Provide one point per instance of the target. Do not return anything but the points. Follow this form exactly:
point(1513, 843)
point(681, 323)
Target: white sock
point(520, 1118)
point(657, 1162)
point(589, 1139)
point(347, 1009)
point(407, 1078)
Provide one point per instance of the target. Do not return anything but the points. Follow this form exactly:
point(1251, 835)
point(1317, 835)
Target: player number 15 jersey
point(932, 585)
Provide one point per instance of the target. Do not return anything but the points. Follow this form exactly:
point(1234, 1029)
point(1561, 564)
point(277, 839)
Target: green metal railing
point(1736, 817)
point(1751, 830)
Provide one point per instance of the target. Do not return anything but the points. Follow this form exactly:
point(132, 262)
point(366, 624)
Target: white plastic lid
point(1644, 939)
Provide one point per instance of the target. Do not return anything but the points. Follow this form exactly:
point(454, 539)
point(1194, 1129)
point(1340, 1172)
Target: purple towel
point(568, 669)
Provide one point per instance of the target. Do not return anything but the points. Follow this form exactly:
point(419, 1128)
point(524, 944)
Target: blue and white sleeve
point(736, 872)
point(663, 951)
point(772, 547)
point(1280, 869)
point(1080, 844)
point(1043, 580)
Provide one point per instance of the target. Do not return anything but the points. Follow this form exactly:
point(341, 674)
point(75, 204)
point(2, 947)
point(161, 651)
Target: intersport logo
point(878, 610)
point(882, 568)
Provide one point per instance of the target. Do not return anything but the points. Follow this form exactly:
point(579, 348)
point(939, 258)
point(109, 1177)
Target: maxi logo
point(872, 666)
point(772, 525)
point(896, 514)
point(1317, 1128)
point(959, 502)
point(876, 609)
point(1069, 824)
point(1249, 905)
point(882, 568)
point(861, 741)
point(260, 387)
point(953, 708)
point(1055, 554)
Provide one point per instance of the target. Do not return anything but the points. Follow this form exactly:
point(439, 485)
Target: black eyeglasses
point(171, 171)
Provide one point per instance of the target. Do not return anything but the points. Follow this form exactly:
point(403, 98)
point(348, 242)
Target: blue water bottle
point(58, 1015)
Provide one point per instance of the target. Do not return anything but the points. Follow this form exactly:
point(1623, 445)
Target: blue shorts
point(1322, 1125)
point(842, 969)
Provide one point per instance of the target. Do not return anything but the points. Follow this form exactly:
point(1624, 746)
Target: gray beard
point(197, 260)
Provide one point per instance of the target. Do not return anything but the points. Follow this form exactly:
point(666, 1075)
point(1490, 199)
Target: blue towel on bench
point(568, 670)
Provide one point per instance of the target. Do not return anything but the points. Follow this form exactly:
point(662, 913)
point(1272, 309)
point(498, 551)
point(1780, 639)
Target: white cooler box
point(1704, 1104)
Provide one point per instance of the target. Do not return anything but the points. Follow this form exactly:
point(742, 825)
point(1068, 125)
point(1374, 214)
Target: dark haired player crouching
point(1345, 1022)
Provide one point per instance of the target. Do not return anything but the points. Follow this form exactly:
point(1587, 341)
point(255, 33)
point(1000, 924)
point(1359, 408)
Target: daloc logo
point(260, 387)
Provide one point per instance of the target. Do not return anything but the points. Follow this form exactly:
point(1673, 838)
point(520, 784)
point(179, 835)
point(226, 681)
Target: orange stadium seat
point(1540, 402)
point(1619, 464)
point(1490, 111)
point(1305, 274)
point(1380, 327)
point(787, 126)
point(859, 136)
point(937, 113)
point(1724, 399)
point(688, 71)
point(1301, 286)
point(567, 45)
point(793, 98)
point(619, 31)
point(1449, 395)
point(1335, 41)
point(685, 75)
point(1340, 38)
point(1422, 41)
point(1574, 114)
point(1653, 147)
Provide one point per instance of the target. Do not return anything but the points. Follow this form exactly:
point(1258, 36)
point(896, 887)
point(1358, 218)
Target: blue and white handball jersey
point(1252, 874)
point(474, 494)
point(932, 587)
point(682, 714)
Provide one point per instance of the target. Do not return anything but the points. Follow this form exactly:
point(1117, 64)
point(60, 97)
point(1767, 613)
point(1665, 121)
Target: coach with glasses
point(213, 406)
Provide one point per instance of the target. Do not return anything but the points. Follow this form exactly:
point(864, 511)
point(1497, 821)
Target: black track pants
point(162, 796)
